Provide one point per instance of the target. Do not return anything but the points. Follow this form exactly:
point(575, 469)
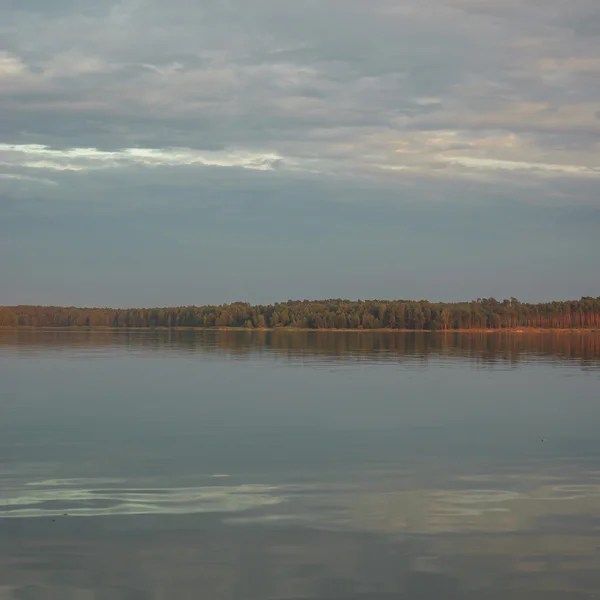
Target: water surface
point(317, 465)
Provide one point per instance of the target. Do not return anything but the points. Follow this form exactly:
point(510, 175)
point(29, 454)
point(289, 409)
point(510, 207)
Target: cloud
point(335, 86)
point(38, 156)
point(19, 177)
point(510, 165)
point(10, 66)
point(277, 124)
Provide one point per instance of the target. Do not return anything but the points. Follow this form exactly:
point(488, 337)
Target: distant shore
point(484, 315)
point(510, 330)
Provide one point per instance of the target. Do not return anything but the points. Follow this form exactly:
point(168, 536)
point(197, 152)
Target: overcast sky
point(206, 151)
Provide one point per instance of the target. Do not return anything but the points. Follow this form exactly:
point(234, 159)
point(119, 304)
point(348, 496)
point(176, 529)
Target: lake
point(299, 465)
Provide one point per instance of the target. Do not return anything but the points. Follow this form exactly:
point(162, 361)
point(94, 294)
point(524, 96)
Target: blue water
point(298, 465)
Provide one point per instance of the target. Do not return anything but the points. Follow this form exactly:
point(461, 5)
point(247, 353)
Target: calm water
point(299, 466)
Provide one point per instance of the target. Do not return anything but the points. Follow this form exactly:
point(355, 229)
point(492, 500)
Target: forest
point(421, 315)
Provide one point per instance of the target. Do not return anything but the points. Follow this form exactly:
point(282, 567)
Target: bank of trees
point(486, 313)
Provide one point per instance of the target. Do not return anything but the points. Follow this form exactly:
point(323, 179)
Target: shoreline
point(507, 330)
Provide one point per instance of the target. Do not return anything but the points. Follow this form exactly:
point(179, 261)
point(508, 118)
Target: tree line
point(483, 313)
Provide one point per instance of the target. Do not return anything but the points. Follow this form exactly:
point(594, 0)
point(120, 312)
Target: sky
point(207, 151)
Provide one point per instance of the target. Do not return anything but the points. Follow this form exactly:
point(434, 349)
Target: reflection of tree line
point(341, 345)
point(486, 313)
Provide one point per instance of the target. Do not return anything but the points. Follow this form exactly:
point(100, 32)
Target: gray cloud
point(274, 75)
point(217, 106)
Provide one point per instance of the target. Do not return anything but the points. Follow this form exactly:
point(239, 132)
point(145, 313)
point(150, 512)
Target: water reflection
point(386, 502)
point(234, 465)
point(341, 346)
